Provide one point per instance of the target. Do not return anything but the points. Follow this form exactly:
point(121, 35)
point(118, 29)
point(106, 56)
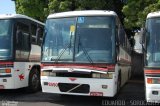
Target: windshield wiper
point(84, 50)
point(63, 51)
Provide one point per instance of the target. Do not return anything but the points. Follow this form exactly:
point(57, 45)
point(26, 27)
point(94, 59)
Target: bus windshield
point(153, 41)
point(80, 40)
point(5, 39)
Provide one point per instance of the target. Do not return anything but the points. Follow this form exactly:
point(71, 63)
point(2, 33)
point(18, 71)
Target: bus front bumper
point(153, 93)
point(6, 81)
point(79, 86)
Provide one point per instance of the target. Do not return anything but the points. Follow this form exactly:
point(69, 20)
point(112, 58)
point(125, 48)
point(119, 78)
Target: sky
point(7, 7)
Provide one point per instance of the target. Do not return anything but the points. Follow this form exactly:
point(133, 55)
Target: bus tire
point(34, 81)
point(119, 82)
point(118, 85)
point(129, 74)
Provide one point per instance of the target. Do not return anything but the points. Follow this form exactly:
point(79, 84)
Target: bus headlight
point(44, 73)
point(108, 76)
point(5, 70)
point(98, 75)
point(52, 74)
point(153, 80)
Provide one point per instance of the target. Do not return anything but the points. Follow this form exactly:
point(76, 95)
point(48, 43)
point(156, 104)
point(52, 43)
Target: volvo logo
point(73, 79)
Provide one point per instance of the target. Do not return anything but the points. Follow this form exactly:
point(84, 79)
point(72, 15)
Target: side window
point(33, 33)
point(39, 35)
point(23, 42)
point(23, 37)
point(122, 37)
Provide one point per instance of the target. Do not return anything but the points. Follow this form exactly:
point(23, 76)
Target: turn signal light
point(8, 70)
point(149, 80)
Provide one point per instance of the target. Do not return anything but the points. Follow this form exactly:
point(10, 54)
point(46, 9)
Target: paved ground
point(132, 94)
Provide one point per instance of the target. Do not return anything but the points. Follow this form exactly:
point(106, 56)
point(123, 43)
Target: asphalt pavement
point(131, 94)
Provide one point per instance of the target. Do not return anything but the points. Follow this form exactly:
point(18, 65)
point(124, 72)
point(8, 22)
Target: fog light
point(4, 80)
point(45, 83)
point(104, 86)
point(155, 92)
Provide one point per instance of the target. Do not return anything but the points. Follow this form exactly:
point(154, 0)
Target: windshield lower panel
point(5, 39)
point(80, 40)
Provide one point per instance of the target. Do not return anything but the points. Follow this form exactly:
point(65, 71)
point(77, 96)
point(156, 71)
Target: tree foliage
point(32, 8)
point(40, 9)
point(135, 12)
point(70, 5)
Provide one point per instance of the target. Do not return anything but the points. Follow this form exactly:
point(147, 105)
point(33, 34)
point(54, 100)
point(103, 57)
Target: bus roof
point(83, 13)
point(11, 16)
point(153, 14)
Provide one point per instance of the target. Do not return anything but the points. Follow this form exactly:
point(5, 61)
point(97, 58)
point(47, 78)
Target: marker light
point(149, 80)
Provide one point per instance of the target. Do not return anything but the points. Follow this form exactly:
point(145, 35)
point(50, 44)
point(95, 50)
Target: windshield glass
point(58, 41)
point(95, 39)
point(153, 41)
point(80, 40)
point(5, 39)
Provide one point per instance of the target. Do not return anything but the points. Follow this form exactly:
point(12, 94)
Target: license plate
point(96, 93)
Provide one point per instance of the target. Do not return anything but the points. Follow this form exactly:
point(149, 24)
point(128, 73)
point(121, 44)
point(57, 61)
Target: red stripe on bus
point(152, 71)
point(6, 63)
point(106, 67)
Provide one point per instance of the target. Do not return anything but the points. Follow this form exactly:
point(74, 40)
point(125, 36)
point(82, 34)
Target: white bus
point(84, 53)
point(20, 52)
point(151, 47)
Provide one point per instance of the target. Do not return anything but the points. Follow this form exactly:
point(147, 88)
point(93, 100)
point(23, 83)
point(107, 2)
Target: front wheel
point(34, 81)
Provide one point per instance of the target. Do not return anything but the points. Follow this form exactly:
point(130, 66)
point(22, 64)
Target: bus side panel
point(124, 74)
point(35, 53)
point(124, 65)
point(21, 73)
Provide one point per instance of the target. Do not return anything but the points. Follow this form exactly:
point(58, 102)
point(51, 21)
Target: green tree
point(33, 8)
point(39, 9)
point(135, 12)
point(70, 5)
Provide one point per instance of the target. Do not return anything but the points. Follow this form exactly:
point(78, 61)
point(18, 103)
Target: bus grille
point(74, 74)
point(74, 88)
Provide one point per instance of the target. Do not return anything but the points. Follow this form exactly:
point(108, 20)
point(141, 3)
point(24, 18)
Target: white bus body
point(78, 61)
point(20, 52)
point(152, 57)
